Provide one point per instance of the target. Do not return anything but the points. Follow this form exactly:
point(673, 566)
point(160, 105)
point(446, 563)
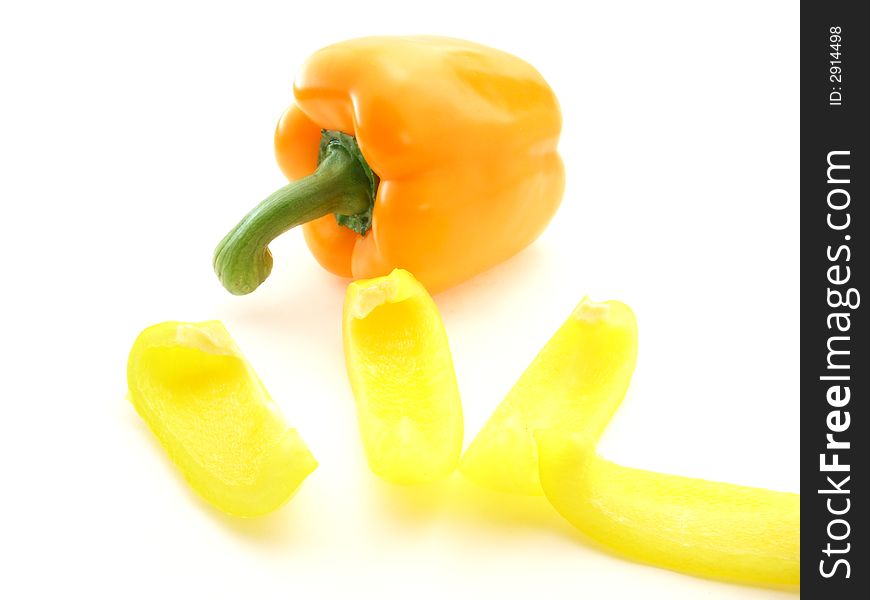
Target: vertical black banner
point(835, 369)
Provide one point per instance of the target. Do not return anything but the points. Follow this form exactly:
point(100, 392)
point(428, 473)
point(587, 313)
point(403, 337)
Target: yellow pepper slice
point(401, 371)
point(542, 439)
point(715, 530)
point(206, 405)
point(577, 381)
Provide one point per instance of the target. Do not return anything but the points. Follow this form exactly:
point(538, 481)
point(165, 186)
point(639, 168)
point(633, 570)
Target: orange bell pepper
point(430, 154)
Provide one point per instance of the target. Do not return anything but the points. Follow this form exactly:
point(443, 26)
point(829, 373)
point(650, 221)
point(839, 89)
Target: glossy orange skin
point(464, 140)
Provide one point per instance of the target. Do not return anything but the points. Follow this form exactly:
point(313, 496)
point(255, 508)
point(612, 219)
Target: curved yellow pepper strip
point(577, 381)
point(715, 530)
point(543, 436)
point(206, 405)
point(401, 371)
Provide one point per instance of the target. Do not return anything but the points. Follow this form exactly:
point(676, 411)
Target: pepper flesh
point(577, 380)
point(463, 138)
point(197, 393)
point(401, 371)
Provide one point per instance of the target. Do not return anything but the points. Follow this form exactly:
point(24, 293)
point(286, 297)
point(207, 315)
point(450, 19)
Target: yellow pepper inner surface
point(577, 381)
point(401, 371)
point(206, 405)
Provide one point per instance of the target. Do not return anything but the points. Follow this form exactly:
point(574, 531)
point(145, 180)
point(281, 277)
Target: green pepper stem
point(340, 185)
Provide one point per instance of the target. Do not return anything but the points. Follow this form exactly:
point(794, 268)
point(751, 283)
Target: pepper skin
point(577, 381)
point(206, 405)
point(401, 371)
point(461, 138)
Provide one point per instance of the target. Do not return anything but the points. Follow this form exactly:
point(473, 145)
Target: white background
point(133, 137)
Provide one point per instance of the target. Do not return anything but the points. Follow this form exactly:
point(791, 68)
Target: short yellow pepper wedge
point(209, 410)
point(401, 371)
point(715, 530)
point(577, 381)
